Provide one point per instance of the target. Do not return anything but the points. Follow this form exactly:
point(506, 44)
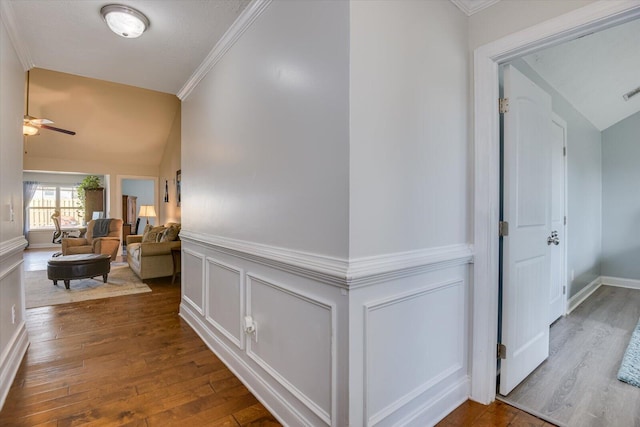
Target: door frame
point(486, 59)
point(565, 208)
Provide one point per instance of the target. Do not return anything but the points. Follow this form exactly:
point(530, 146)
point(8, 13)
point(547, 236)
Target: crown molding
point(240, 25)
point(469, 7)
point(8, 18)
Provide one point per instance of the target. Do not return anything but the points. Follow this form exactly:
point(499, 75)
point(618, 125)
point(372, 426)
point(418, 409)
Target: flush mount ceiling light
point(124, 20)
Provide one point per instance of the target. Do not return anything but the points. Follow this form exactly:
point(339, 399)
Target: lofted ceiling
point(593, 72)
point(70, 36)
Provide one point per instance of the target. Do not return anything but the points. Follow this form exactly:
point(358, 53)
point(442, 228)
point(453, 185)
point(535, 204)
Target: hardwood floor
point(577, 385)
point(126, 361)
point(498, 414)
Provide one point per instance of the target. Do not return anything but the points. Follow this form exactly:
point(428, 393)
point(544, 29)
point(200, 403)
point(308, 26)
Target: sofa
point(149, 254)
point(89, 244)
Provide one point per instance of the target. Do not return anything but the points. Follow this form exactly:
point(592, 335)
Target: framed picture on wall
point(178, 184)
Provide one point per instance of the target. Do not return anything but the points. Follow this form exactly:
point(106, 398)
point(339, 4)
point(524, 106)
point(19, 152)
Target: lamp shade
point(147, 211)
point(29, 130)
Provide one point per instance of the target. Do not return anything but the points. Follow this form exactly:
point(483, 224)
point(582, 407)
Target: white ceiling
point(70, 36)
point(593, 72)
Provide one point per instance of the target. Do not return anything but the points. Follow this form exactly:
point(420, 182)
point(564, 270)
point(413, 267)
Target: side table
point(176, 257)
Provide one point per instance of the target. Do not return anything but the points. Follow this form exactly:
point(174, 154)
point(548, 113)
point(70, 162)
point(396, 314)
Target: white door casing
point(527, 209)
point(592, 17)
point(557, 291)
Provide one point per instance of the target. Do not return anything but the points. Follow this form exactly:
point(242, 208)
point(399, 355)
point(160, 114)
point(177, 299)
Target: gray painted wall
point(621, 199)
point(584, 162)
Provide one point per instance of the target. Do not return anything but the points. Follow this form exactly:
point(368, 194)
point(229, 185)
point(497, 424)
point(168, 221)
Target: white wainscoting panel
point(413, 341)
point(224, 294)
point(193, 279)
point(295, 342)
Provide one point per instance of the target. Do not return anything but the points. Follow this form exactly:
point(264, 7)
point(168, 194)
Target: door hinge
point(564, 151)
point(564, 289)
point(503, 105)
point(503, 228)
point(565, 220)
point(502, 351)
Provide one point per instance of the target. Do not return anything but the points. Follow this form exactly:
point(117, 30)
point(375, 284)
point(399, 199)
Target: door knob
point(553, 239)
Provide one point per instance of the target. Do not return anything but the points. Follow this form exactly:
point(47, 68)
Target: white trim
point(470, 7)
point(565, 208)
point(45, 245)
point(434, 410)
point(378, 417)
point(11, 358)
point(12, 246)
point(583, 294)
point(326, 417)
point(369, 270)
point(620, 282)
point(261, 389)
point(593, 17)
point(244, 21)
point(8, 17)
point(339, 272)
point(238, 341)
point(185, 298)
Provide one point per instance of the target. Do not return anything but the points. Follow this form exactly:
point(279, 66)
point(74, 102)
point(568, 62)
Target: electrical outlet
point(13, 314)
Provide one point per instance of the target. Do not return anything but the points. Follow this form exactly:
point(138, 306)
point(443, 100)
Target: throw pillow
point(170, 234)
point(153, 234)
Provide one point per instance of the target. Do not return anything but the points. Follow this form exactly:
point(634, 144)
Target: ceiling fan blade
point(41, 121)
point(36, 120)
point(68, 132)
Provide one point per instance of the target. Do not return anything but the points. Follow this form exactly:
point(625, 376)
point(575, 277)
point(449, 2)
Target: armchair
point(99, 245)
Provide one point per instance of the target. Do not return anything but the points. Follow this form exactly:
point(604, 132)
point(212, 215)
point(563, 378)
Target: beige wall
point(121, 130)
point(170, 164)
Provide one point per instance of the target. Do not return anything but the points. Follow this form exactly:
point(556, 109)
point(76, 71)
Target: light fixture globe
point(124, 20)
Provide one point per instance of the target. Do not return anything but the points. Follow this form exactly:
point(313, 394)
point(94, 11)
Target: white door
point(527, 209)
point(558, 298)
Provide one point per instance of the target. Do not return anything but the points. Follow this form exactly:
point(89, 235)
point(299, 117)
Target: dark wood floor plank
point(126, 361)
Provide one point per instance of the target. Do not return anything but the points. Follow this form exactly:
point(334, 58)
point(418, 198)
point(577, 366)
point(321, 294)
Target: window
point(51, 197)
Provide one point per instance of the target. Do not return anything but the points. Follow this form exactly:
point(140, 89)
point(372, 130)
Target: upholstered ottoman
point(70, 267)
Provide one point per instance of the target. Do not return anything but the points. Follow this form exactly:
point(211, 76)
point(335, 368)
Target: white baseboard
point(10, 360)
point(44, 246)
point(620, 282)
point(433, 411)
point(583, 294)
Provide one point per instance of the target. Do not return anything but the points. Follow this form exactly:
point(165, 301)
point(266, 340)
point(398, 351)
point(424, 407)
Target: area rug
point(630, 369)
point(41, 291)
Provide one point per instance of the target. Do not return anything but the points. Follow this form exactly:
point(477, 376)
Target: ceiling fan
point(31, 125)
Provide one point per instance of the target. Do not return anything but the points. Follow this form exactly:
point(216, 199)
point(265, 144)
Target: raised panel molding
point(10, 360)
point(201, 280)
point(455, 365)
point(343, 273)
point(326, 416)
point(210, 317)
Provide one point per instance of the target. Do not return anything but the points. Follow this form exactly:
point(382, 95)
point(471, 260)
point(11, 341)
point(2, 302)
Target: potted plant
point(90, 183)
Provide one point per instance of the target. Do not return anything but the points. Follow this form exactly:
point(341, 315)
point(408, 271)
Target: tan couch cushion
point(152, 234)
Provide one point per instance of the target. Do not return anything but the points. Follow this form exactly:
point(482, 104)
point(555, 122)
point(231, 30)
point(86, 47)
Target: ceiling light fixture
point(628, 95)
point(124, 20)
point(28, 130)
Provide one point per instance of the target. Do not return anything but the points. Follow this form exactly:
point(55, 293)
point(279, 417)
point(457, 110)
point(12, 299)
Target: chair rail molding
point(340, 272)
point(12, 246)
